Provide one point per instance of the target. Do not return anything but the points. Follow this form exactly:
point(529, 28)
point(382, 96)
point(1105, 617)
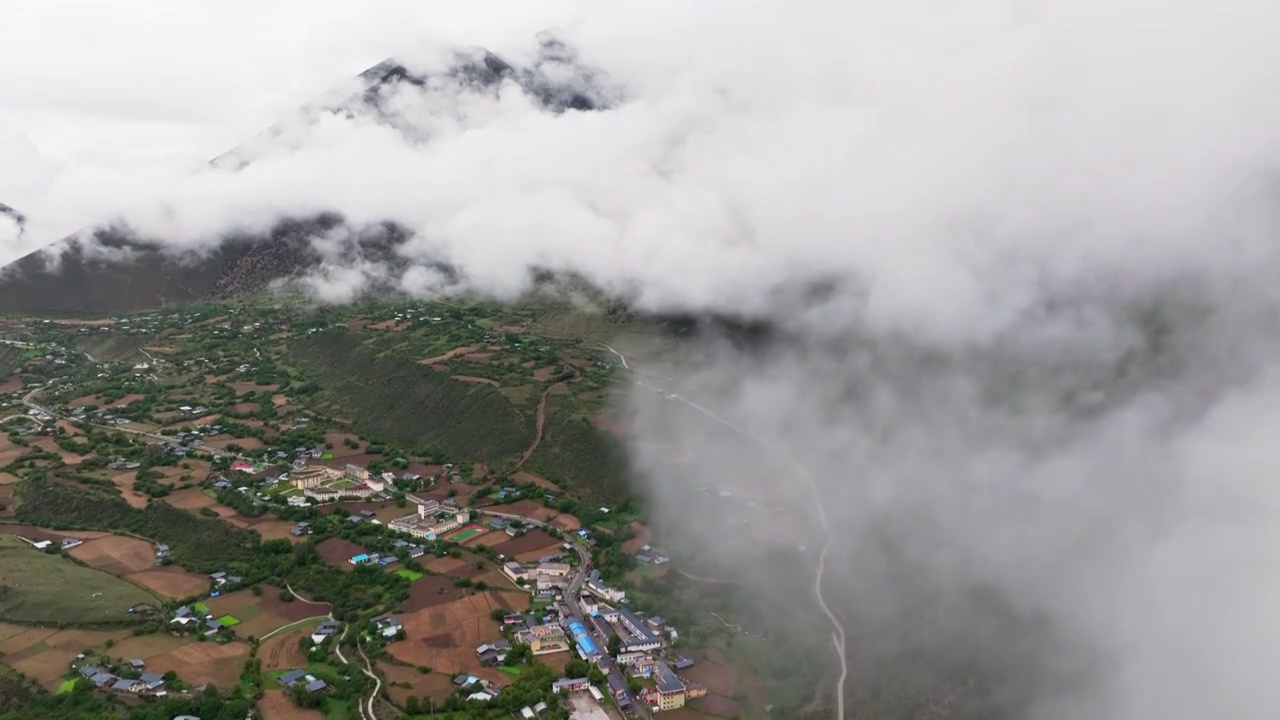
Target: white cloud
point(996, 184)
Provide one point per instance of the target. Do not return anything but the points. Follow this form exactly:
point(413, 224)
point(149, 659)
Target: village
point(469, 542)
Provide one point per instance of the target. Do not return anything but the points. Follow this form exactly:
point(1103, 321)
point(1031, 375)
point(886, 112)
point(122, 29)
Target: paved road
point(838, 637)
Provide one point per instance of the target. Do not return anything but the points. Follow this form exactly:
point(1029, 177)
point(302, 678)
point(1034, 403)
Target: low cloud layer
point(1019, 261)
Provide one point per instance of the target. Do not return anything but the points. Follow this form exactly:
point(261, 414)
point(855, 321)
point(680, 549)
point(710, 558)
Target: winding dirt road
point(838, 637)
point(540, 421)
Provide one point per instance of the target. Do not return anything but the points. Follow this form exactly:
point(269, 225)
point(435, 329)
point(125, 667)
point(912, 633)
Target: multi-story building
point(671, 692)
point(357, 473)
point(515, 571)
point(554, 569)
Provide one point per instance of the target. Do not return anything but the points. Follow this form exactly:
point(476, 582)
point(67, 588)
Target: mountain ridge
point(112, 270)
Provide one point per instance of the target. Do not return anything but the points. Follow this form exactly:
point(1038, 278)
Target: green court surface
point(408, 574)
point(228, 621)
point(465, 533)
point(67, 686)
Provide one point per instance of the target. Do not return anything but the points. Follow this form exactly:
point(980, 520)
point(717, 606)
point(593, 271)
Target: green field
point(228, 621)
point(512, 671)
point(326, 456)
point(465, 533)
point(408, 574)
point(200, 607)
point(67, 686)
point(37, 587)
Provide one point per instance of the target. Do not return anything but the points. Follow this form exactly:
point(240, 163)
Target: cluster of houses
point(324, 631)
point(387, 626)
point(302, 679)
point(477, 688)
point(202, 621)
point(107, 681)
point(649, 555)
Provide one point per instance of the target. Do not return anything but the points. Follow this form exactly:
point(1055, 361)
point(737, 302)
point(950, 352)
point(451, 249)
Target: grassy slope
point(45, 588)
point(403, 401)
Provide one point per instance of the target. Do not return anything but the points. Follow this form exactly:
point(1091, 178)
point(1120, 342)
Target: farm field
point(337, 552)
point(38, 587)
point(430, 591)
point(44, 655)
point(432, 685)
point(203, 662)
point(463, 567)
point(170, 582)
point(444, 637)
point(116, 555)
point(281, 651)
point(261, 614)
point(530, 546)
point(275, 705)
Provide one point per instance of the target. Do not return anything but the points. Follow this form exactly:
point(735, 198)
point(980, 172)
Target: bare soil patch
point(221, 442)
point(430, 591)
point(276, 530)
point(642, 537)
point(480, 357)
point(84, 400)
point(566, 523)
point(527, 508)
point(68, 429)
point(478, 380)
point(530, 546)
point(8, 479)
point(171, 582)
point(544, 374)
point(433, 685)
point(244, 408)
point(445, 637)
point(281, 652)
point(198, 663)
point(448, 356)
point(116, 555)
point(279, 400)
point(275, 705)
point(47, 661)
point(12, 384)
point(124, 483)
point(46, 443)
point(339, 450)
point(528, 477)
point(161, 349)
point(125, 400)
point(24, 638)
point(148, 646)
point(337, 552)
point(241, 387)
point(192, 498)
point(718, 677)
